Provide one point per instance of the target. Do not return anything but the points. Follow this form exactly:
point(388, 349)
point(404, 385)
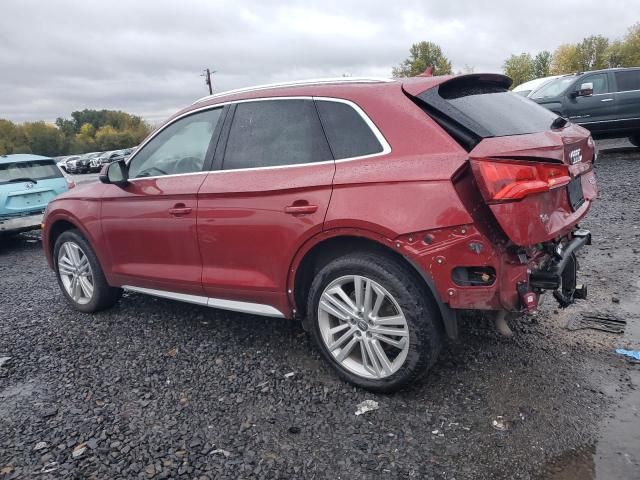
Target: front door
point(269, 194)
point(597, 111)
point(150, 223)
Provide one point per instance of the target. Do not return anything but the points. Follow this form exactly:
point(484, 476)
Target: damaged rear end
point(527, 184)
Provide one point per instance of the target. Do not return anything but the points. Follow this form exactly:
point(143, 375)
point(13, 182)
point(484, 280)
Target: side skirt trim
point(233, 305)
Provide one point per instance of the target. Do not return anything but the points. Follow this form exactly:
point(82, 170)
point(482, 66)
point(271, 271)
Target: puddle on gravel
point(616, 456)
point(572, 465)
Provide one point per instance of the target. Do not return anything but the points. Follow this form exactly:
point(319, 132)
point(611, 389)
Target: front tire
point(80, 275)
point(635, 140)
point(373, 321)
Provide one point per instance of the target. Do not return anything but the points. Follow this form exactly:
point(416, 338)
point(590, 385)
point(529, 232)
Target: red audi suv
point(375, 211)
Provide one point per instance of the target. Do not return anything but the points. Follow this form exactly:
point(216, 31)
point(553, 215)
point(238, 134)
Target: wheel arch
point(56, 226)
point(328, 245)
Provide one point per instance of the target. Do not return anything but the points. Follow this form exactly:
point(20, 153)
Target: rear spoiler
point(415, 86)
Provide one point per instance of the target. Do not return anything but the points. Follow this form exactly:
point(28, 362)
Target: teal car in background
point(27, 184)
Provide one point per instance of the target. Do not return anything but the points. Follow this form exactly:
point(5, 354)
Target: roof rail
point(298, 83)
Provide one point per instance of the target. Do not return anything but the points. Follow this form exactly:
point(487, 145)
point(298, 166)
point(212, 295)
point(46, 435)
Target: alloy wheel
point(75, 272)
point(363, 327)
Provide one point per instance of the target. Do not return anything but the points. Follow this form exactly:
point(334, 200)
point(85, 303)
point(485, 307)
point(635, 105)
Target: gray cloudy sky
point(145, 56)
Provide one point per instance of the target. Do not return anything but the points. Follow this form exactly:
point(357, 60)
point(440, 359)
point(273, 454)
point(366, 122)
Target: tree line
point(592, 53)
point(86, 131)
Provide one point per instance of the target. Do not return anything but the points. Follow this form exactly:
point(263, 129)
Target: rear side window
point(347, 132)
point(471, 108)
point(271, 133)
point(30, 170)
point(628, 80)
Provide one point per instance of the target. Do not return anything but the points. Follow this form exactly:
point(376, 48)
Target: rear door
point(269, 193)
point(628, 98)
point(598, 111)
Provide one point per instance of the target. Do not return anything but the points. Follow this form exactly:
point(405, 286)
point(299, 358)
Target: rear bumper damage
point(470, 272)
point(561, 275)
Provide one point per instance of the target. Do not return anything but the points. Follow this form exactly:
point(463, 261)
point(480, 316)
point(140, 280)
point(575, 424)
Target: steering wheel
point(147, 172)
point(188, 165)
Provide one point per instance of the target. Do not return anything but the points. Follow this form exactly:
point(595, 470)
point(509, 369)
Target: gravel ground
point(159, 389)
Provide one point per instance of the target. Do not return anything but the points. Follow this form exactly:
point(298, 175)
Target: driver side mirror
point(586, 90)
point(115, 173)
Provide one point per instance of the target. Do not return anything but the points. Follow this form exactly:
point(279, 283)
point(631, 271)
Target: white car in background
point(527, 89)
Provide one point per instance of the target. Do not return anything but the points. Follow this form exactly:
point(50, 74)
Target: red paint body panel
point(80, 206)
point(150, 247)
point(544, 216)
point(246, 238)
point(238, 243)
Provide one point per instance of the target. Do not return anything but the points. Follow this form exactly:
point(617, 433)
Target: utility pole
point(207, 79)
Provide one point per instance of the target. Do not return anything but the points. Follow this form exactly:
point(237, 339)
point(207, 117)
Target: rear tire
point(80, 275)
point(389, 339)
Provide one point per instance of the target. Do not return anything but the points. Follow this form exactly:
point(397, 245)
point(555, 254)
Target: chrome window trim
point(386, 147)
point(297, 83)
point(233, 305)
point(608, 121)
point(628, 91)
point(612, 93)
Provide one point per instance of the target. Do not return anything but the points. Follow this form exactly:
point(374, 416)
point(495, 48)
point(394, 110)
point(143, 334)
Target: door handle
point(179, 209)
point(607, 100)
point(300, 209)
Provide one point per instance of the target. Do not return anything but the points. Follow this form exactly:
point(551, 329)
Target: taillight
point(512, 180)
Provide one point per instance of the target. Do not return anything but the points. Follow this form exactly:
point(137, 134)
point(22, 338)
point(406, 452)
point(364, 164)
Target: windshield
point(33, 170)
point(554, 88)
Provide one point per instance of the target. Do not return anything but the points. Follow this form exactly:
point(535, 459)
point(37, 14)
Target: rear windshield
point(471, 109)
point(29, 170)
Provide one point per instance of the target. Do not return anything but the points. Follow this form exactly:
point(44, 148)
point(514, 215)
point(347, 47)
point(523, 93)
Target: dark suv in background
point(607, 102)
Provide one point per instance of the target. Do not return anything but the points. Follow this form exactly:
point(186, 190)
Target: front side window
point(268, 133)
point(347, 132)
point(628, 80)
point(180, 148)
point(30, 170)
point(599, 81)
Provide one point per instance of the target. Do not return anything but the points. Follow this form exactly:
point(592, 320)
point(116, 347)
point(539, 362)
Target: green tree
point(565, 59)
point(519, 68)
point(87, 130)
point(615, 54)
point(83, 141)
point(66, 126)
point(592, 53)
point(43, 139)
point(106, 138)
point(11, 136)
point(81, 134)
point(541, 65)
point(421, 56)
point(630, 47)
